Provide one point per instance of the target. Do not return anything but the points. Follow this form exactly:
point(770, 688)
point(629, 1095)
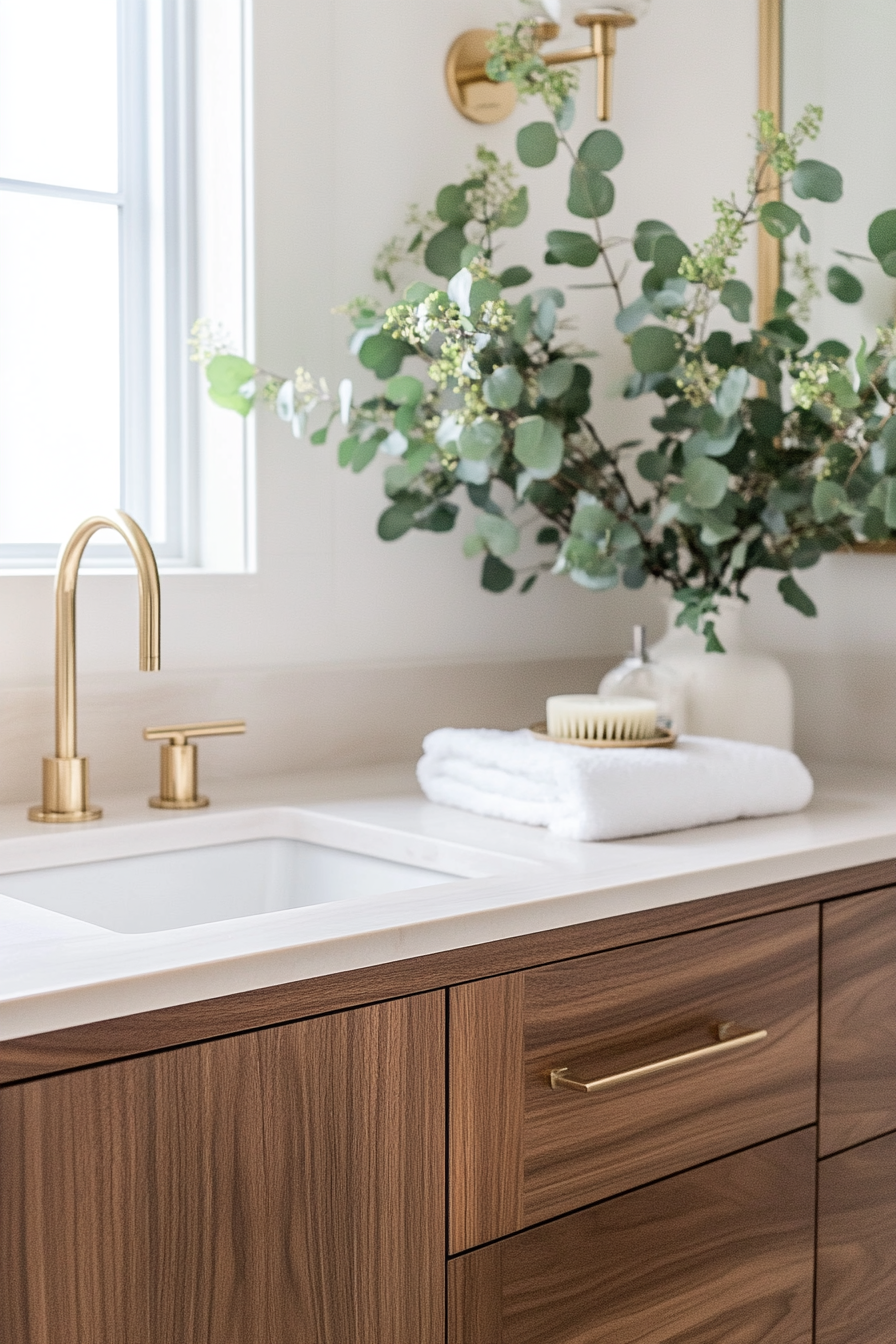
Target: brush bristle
point(599, 718)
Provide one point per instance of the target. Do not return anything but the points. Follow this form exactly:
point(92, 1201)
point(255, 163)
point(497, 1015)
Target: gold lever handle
point(178, 768)
point(730, 1037)
point(179, 732)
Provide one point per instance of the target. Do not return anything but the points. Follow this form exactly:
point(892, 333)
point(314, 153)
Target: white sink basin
point(181, 887)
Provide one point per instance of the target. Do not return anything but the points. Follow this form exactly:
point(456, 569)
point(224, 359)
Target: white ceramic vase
point(736, 694)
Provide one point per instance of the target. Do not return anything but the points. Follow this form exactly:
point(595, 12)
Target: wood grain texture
point(857, 1094)
point(619, 1010)
point(856, 1284)
point(474, 1297)
point(117, 1038)
point(720, 1253)
point(485, 1110)
point(282, 1187)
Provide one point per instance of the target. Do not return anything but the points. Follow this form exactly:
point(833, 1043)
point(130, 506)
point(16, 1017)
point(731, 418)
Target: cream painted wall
point(338, 636)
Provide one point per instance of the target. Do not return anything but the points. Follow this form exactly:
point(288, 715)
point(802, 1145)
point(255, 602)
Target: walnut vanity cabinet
point(272, 1167)
point(279, 1187)
point(857, 1122)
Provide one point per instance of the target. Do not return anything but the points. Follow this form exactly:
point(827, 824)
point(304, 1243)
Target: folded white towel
point(583, 793)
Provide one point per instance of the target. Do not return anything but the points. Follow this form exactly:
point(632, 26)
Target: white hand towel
point(587, 793)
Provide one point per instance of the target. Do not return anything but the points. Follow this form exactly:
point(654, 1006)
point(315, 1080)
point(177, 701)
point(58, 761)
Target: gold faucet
point(65, 775)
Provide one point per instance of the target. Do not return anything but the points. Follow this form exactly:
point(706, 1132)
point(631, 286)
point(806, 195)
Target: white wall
point(339, 637)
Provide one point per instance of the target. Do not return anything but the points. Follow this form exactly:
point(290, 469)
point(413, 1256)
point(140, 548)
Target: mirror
point(839, 57)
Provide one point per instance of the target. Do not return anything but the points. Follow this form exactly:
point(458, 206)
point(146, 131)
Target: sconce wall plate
point(480, 99)
point(485, 101)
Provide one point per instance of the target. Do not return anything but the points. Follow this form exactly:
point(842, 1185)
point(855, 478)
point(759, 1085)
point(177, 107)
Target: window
point(124, 209)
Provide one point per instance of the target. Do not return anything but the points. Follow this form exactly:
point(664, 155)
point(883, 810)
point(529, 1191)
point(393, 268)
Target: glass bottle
point(639, 675)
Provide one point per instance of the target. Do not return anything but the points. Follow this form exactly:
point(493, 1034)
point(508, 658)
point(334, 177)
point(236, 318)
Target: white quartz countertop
point(57, 972)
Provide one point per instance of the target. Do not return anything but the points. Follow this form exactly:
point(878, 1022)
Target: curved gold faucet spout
point(65, 775)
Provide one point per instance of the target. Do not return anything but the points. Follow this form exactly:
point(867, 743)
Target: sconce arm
point(466, 65)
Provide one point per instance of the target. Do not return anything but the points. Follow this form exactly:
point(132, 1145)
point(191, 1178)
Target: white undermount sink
point(179, 887)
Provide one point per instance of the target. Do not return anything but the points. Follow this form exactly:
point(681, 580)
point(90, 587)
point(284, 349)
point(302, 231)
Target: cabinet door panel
point(281, 1187)
point(723, 1252)
point(856, 1286)
point(857, 1098)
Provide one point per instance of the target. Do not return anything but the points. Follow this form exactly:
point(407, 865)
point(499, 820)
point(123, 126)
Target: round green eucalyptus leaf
point(514, 275)
point(813, 180)
point(515, 210)
point(480, 292)
point(376, 350)
point(496, 576)
point(828, 499)
point(536, 144)
point(720, 348)
point(500, 535)
point(889, 263)
point(420, 290)
point(591, 193)
point(778, 219)
point(646, 234)
point(451, 205)
point(577, 249)
point(538, 444)
point(443, 251)
point(767, 418)
point(394, 522)
point(404, 390)
point(565, 114)
point(555, 379)
point(787, 333)
point(477, 441)
point(601, 149)
point(439, 519)
point(844, 285)
point(833, 350)
point(737, 297)
point(651, 284)
point(668, 254)
point(654, 349)
point(232, 401)
point(706, 481)
point(503, 388)
point(842, 389)
point(882, 234)
point(226, 374)
point(652, 466)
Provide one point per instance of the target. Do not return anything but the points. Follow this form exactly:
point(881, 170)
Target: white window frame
point(205, 511)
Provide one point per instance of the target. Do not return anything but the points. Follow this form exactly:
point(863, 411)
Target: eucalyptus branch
point(734, 482)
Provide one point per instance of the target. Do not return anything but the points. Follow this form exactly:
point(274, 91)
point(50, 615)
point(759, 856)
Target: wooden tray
point(664, 738)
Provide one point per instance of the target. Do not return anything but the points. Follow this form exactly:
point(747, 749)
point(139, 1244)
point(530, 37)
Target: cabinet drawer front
point(722, 1252)
point(620, 1011)
point(856, 1284)
point(857, 1093)
point(522, 1150)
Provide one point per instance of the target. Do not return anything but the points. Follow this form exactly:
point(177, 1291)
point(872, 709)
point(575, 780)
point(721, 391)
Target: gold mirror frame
point(771, 75)
point(770, 81)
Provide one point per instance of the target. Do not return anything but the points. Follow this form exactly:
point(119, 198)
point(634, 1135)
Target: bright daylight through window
point(124, 213)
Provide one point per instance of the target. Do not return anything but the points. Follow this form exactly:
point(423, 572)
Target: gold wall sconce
point(481, 99)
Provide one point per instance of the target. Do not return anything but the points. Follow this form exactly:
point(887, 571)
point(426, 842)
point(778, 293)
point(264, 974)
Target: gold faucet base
point(41, 814)
point(66, 793)
point(177, 804)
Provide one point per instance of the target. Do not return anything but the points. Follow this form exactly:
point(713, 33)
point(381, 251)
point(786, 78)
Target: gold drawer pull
point(730, 1037)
